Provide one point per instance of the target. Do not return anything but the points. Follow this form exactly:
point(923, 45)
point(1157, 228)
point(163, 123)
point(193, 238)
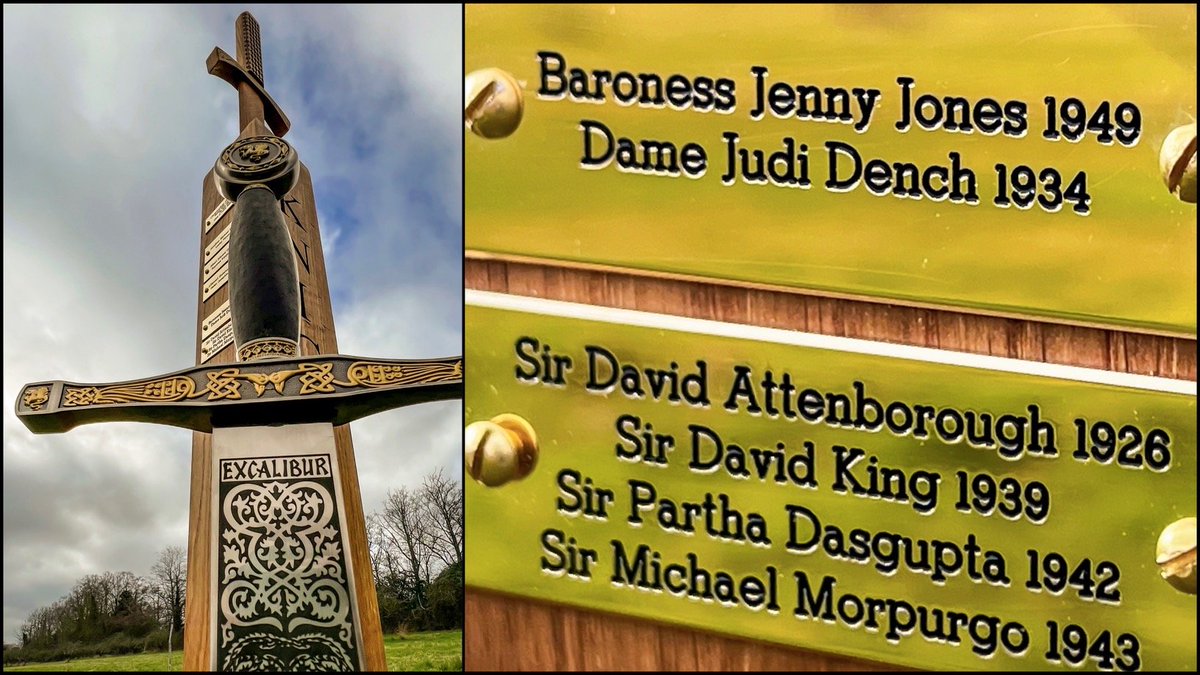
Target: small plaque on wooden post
point(900, 504)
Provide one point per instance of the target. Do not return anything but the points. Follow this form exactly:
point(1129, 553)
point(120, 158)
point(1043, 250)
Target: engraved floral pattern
point(282, 572)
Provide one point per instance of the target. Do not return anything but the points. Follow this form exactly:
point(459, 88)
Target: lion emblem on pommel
point(255, 152)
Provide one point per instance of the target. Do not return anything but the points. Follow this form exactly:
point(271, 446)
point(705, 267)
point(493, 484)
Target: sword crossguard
point(227, 68)
point(329, 388)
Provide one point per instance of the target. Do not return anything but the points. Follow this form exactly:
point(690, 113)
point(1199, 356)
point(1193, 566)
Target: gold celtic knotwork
point(223, 384)
point(163, 389)
point(275, 379)
point(259, 380)
point(376, 374)
point(266, 348)
point(278, 377)
point(171, 389)
point(36, 397)
point(316, 377)
point(84, 396)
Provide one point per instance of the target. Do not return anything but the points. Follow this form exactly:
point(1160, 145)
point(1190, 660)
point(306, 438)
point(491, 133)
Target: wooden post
point(317, 336)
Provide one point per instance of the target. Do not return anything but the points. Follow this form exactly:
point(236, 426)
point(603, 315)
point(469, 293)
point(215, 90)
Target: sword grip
point(264, 284)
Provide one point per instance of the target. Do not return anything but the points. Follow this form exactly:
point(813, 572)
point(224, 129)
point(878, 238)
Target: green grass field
point(440, 650)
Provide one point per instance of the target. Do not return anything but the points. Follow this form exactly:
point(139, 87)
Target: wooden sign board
point(996, 159)
point(900, 504)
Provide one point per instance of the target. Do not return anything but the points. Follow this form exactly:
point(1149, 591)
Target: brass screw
point(500, 450)
point(494, 103)
point(1177, 555)
point(1177, 160)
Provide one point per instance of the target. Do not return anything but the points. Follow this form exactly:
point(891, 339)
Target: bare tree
point(442, 499)
point(385, 558)
point(417, 550)
point(170, 584)
point(404, 527)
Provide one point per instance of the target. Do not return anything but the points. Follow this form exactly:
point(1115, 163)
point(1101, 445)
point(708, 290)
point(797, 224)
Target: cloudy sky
point(110, 123)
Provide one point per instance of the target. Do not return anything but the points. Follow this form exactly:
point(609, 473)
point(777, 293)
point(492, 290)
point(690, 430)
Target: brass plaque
point(220, 259)
point(913, 506)
point(219, 244)
point(216, 215)
point(214, 279)
point(995, 158)
point(218, 318)
point(214, 343)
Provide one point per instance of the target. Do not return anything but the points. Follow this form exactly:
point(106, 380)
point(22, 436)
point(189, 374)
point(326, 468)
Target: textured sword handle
point(249, 46)
point(264, 284)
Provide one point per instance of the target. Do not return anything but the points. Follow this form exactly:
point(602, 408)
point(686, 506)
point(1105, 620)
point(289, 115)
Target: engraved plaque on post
point(212, 345)
point(995, 159)
point(908, 505)
point(217, 319)
point(220, 259)
point(217, 262)
point(214, 279)
point(217, 214)
point(221, 241)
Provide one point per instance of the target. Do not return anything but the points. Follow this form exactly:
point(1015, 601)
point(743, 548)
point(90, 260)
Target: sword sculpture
point(279, 575)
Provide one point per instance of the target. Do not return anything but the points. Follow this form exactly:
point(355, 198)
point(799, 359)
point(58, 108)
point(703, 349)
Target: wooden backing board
point(504, 632)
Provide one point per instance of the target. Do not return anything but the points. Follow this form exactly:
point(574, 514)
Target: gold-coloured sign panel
point(220, 316)
point(214, 279)
point(220, 338)
point(995, 158)
point(217, 213)
point(219, 244)
point(220, 259)
point(912, 506)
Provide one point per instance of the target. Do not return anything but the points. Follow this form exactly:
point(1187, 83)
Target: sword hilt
point(245, 73)
point(264, 284)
